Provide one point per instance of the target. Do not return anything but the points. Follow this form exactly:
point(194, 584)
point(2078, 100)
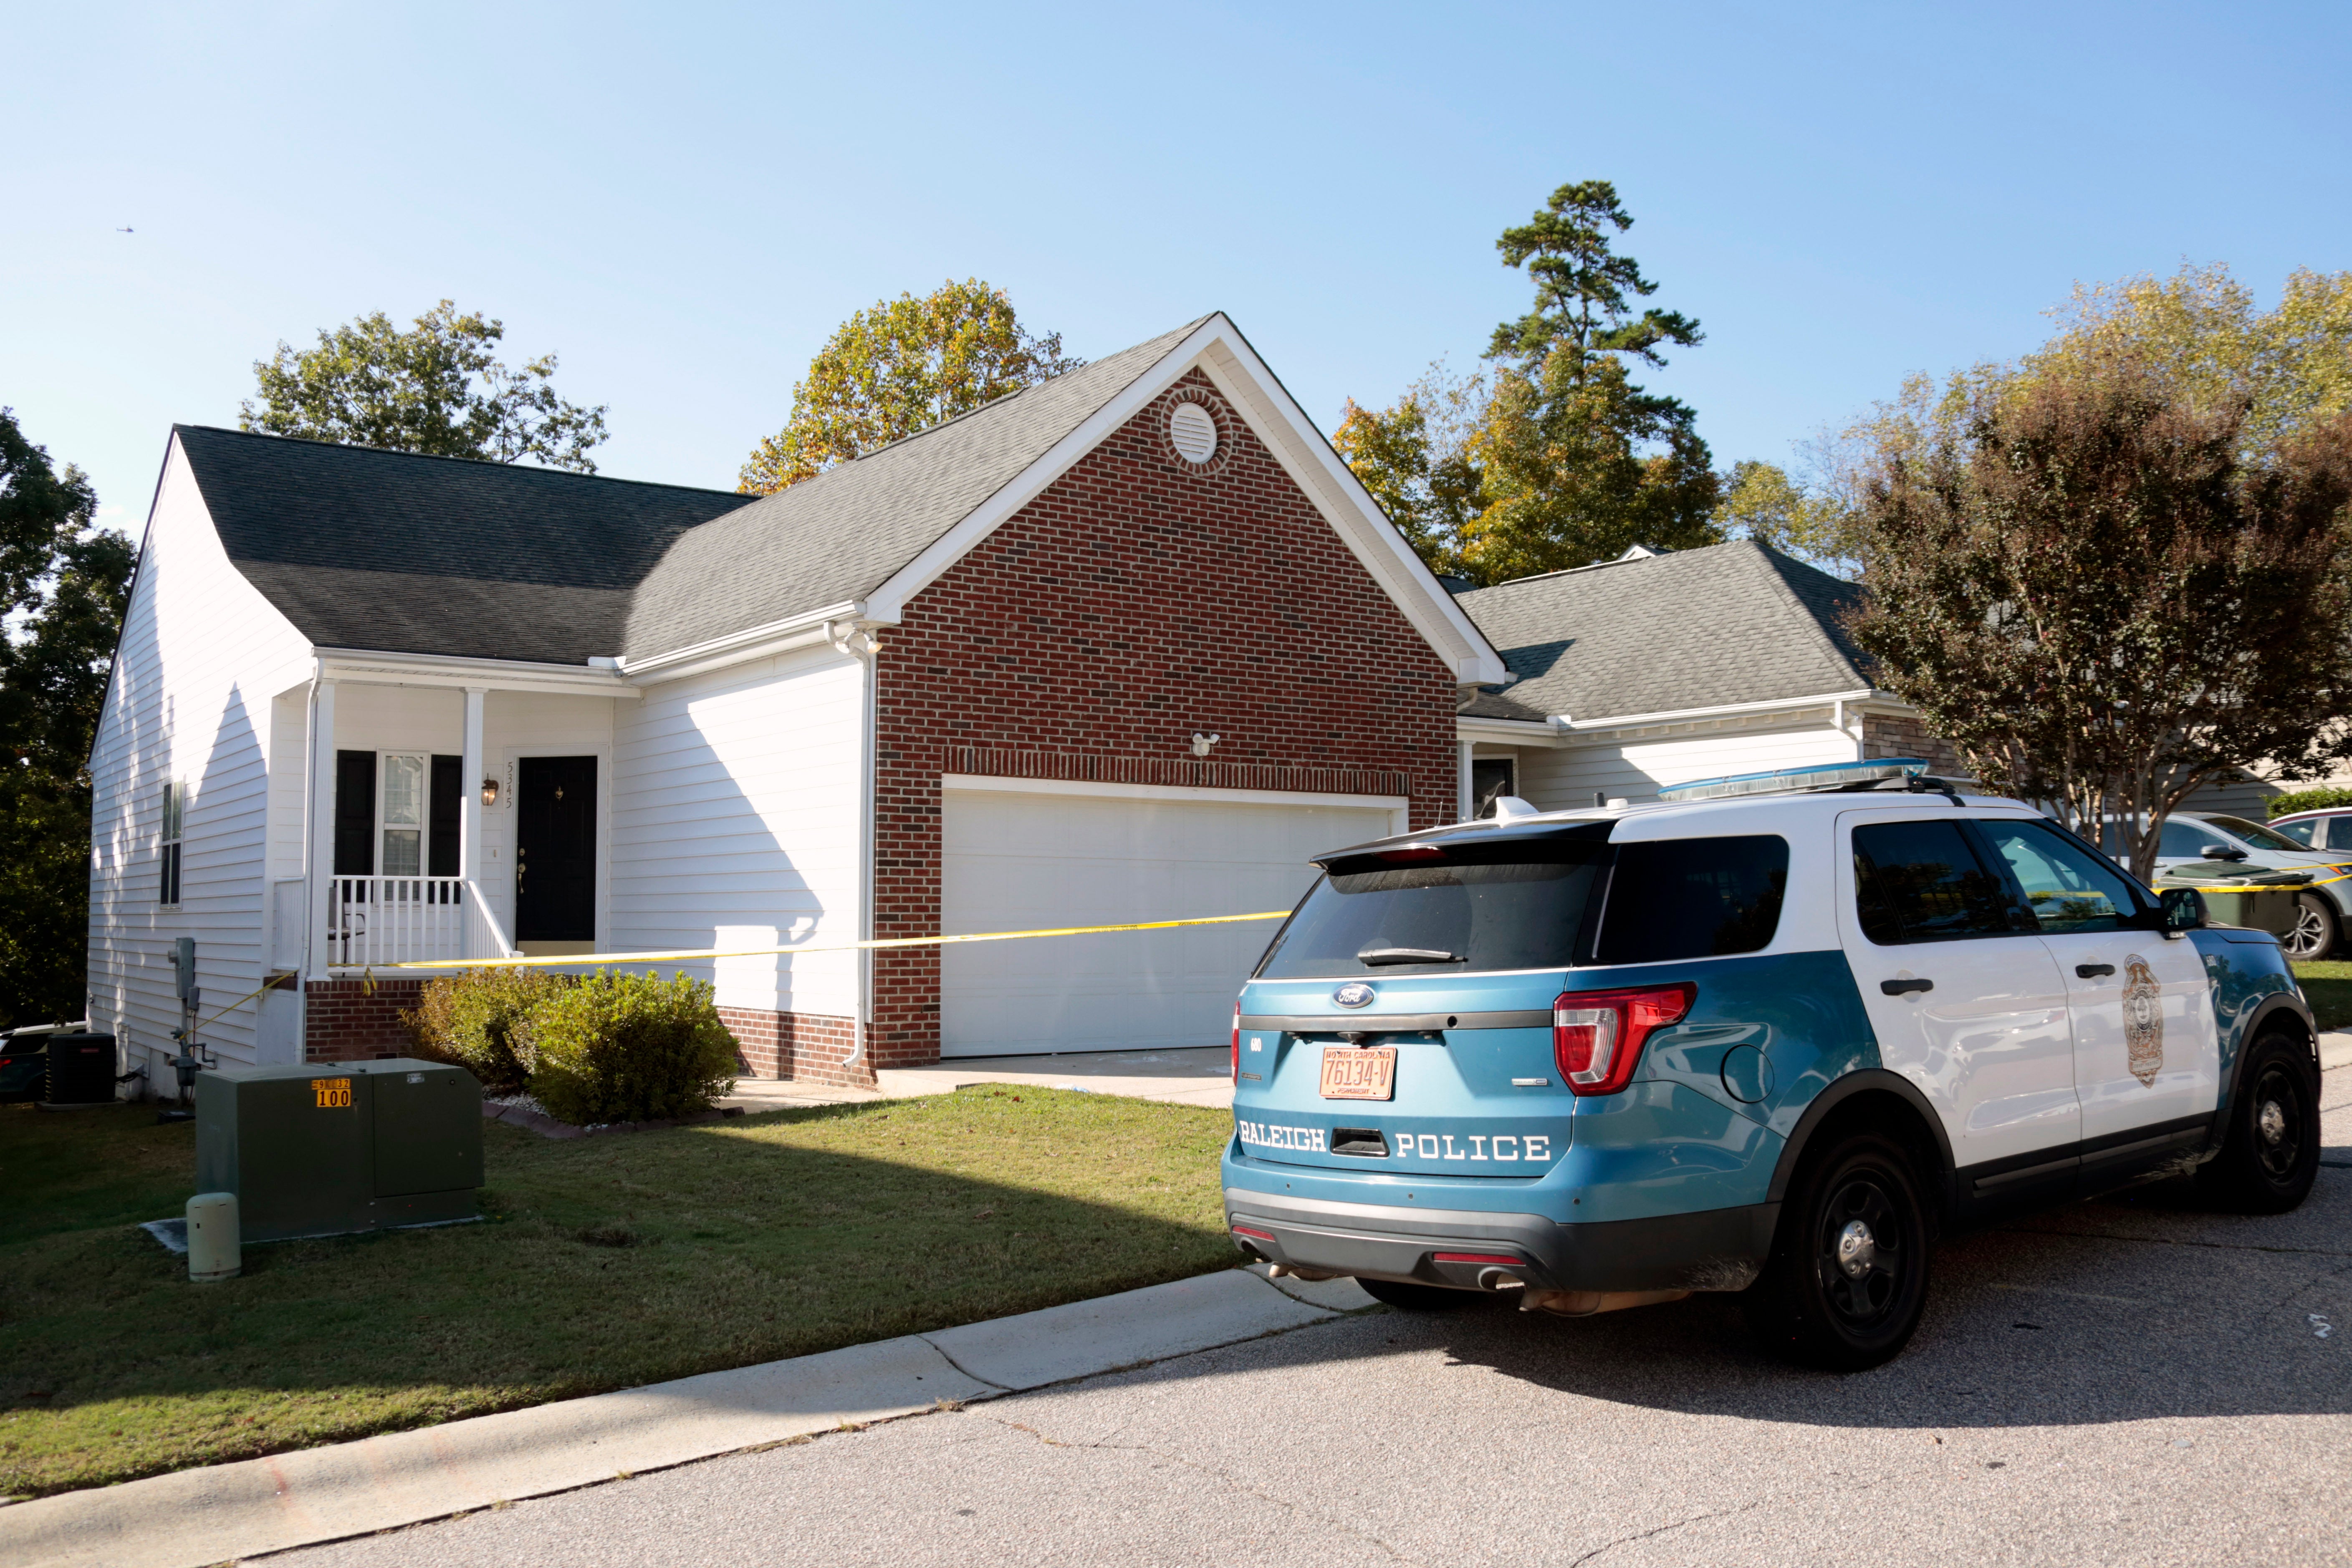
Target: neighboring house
point(1128, 644)
point(1661, 668)
point(1664, 666)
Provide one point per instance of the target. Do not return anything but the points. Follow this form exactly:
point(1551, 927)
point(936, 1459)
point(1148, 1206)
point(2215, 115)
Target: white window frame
point(422, 827)
point(173, 833)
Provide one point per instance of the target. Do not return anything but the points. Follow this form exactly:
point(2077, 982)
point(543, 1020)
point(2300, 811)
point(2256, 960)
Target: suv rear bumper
point(1714, 1249)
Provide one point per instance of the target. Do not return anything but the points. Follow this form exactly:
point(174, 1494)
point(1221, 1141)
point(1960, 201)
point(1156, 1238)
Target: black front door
point(555, 849)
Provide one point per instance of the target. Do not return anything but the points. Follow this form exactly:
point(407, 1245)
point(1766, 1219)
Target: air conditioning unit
point(327, 1150)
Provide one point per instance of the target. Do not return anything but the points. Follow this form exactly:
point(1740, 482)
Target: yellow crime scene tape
point(2263, 887)
point(367, 974)
point(690, 954)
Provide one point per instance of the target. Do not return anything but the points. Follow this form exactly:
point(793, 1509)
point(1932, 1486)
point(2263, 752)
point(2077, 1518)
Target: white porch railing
point(373, 921)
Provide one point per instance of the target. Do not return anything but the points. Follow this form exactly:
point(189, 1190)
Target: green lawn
point(604, 1263)
point(2329, 988)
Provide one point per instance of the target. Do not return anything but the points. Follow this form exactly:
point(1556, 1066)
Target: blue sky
point(684, 201)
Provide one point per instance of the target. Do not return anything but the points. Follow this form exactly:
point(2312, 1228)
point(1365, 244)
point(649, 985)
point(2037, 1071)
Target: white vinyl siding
point(736, 821)
point(1566, 777)
point(203, 658)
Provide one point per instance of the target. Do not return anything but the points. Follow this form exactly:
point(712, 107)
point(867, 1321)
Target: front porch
point(443, 809)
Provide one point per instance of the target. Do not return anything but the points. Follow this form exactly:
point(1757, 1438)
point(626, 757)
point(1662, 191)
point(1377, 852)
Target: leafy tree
point(1565, 459)
point(1761, 501)
point(436, 389)
point(1580, 461)
point(902, 366)
point(1418, 460)
point(63, 583)
point(2201, 334)
point(2085, 583)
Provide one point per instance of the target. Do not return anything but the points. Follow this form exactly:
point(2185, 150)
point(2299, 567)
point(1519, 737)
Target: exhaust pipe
point(1292, 1271)
point(1590, 1303)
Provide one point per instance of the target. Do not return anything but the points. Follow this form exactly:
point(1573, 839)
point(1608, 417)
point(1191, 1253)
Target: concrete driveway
point(2130, 1381)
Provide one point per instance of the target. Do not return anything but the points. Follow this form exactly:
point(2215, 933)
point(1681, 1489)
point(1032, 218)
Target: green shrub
point(479, 1018)
point(2308, 800)
point(630, 1048)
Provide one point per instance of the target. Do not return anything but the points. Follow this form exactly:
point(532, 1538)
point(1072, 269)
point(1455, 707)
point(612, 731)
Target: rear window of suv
point(1523, 903)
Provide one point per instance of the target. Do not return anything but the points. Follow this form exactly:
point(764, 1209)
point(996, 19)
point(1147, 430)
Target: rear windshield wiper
point(1407, 955)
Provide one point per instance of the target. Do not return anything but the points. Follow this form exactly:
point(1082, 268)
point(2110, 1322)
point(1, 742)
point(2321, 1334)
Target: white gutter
point(368, 666)
point(1506, 732)
point(1834, 700)
point(803, 630)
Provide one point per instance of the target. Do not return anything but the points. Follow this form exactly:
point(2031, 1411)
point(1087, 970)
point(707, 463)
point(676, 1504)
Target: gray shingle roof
point(840, 536)
point(401, 553)
point(1690, 628)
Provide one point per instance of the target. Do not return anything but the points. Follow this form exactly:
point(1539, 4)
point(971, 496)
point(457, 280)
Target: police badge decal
point(2143, 1020)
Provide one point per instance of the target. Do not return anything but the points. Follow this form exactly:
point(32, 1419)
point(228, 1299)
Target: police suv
point(1768, 1035)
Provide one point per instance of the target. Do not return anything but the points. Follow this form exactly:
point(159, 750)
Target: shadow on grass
point(601, 1263)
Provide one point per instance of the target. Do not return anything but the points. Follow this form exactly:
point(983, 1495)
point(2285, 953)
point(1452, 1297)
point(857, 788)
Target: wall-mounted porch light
point(489, 792)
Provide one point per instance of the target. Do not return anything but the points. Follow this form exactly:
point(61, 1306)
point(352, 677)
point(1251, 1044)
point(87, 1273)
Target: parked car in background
point(2204, 837)
point(2328, 830)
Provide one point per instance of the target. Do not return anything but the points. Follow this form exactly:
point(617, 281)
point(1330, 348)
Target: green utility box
point(328, 1149)
point(2263, 900)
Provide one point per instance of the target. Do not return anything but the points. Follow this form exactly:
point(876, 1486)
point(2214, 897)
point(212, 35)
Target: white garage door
point(1017, 861)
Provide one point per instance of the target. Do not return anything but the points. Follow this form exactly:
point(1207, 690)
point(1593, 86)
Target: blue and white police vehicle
point(1771, 1036)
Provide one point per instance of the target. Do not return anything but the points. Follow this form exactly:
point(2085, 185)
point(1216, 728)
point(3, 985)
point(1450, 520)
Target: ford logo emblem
point(1355, 994)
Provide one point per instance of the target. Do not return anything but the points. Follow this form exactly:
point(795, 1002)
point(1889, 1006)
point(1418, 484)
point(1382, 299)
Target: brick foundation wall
point(1139, 599)
point(344, 1021)
point(809, 1047)
point(1888, 737)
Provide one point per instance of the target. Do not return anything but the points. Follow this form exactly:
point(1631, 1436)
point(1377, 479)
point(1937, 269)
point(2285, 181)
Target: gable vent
point(1193, 430)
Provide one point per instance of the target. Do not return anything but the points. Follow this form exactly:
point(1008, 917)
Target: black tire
point(2269, 1150)
point(1832, 1295)
point(2315, 927)
point(1410, 1297)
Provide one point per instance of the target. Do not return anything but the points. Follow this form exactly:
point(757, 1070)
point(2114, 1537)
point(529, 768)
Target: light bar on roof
point(1780, 781)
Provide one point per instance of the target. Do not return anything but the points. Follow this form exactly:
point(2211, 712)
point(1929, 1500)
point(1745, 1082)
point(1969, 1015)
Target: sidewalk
point(1203, 1077)
point(1178, 1077)
point(225, 1512)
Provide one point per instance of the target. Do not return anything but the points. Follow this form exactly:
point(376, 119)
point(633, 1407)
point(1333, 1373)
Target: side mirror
point(2183, 910)
point(2221, 852)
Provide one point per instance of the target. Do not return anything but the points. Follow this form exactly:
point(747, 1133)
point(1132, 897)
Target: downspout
point(312, 924)
point(865, 648)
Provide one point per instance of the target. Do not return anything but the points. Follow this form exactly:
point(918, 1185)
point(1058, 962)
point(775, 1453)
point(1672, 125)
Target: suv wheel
point(1847, 1279)
point(1416, 1297)
point(2313, 936)
point(2269, 1153)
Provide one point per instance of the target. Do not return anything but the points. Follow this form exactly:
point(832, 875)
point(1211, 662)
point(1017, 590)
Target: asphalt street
point(2135, 1382)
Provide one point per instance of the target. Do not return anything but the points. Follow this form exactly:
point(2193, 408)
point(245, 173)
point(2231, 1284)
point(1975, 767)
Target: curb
point(221, 1512)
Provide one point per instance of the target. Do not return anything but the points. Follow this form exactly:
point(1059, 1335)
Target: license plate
point(1360, 1072)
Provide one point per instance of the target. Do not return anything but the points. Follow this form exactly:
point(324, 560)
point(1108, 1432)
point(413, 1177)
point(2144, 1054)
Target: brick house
point(1128, 645)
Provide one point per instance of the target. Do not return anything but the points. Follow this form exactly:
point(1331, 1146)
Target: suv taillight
point(1237, 1042)
point(1597, 1036)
